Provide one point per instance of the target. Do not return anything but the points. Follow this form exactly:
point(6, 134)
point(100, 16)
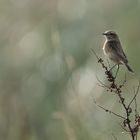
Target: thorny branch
point(113, 87)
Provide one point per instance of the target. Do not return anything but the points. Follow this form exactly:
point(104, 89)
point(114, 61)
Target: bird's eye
point(112, 34)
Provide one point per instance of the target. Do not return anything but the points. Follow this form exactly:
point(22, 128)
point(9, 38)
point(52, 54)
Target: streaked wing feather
point(117, 49)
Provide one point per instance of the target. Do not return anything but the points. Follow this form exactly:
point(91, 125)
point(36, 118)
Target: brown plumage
point(113, 49)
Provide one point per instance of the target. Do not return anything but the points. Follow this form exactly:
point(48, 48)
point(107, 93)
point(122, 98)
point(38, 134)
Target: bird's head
point(110, 35)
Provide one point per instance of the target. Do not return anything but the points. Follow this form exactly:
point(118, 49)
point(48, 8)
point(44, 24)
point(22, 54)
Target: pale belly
point(108, 52)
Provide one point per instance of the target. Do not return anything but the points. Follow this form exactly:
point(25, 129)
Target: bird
point(113, 49)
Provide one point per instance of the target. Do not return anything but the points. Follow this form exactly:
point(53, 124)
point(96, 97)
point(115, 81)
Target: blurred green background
point(48, 74)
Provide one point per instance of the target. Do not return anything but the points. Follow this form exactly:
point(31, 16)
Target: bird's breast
point(105, 48)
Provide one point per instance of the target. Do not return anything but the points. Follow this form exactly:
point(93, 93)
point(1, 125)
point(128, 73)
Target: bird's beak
point(103, 33)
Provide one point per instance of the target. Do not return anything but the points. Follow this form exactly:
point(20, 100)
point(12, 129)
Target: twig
point(124, 81)
point(124, 128)
point(115, 138)
point(94, 53)
point(135, 102)
point(115, 88)
point(103, 85)
point(137, 91)
point(108, 63)
point(107, 110)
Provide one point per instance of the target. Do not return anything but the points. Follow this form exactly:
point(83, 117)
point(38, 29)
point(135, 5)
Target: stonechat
point(113, 49)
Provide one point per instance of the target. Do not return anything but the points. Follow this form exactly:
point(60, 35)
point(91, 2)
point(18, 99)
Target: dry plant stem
point(112, 67)
point(128, 121)
point(135, 104)
point(117, 89)
point(115, 138)
point(136, 112)
point(117, 71)
point(135, 95)
point(102, 84)
point(109, 111)
point(124, 128)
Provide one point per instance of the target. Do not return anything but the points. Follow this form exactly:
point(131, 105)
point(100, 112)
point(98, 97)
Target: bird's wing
point(117, 49)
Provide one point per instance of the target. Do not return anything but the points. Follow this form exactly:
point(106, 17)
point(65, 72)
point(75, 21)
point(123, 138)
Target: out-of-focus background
point(48, 75)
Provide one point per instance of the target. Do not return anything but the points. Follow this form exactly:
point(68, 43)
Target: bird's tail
point(129, 68)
